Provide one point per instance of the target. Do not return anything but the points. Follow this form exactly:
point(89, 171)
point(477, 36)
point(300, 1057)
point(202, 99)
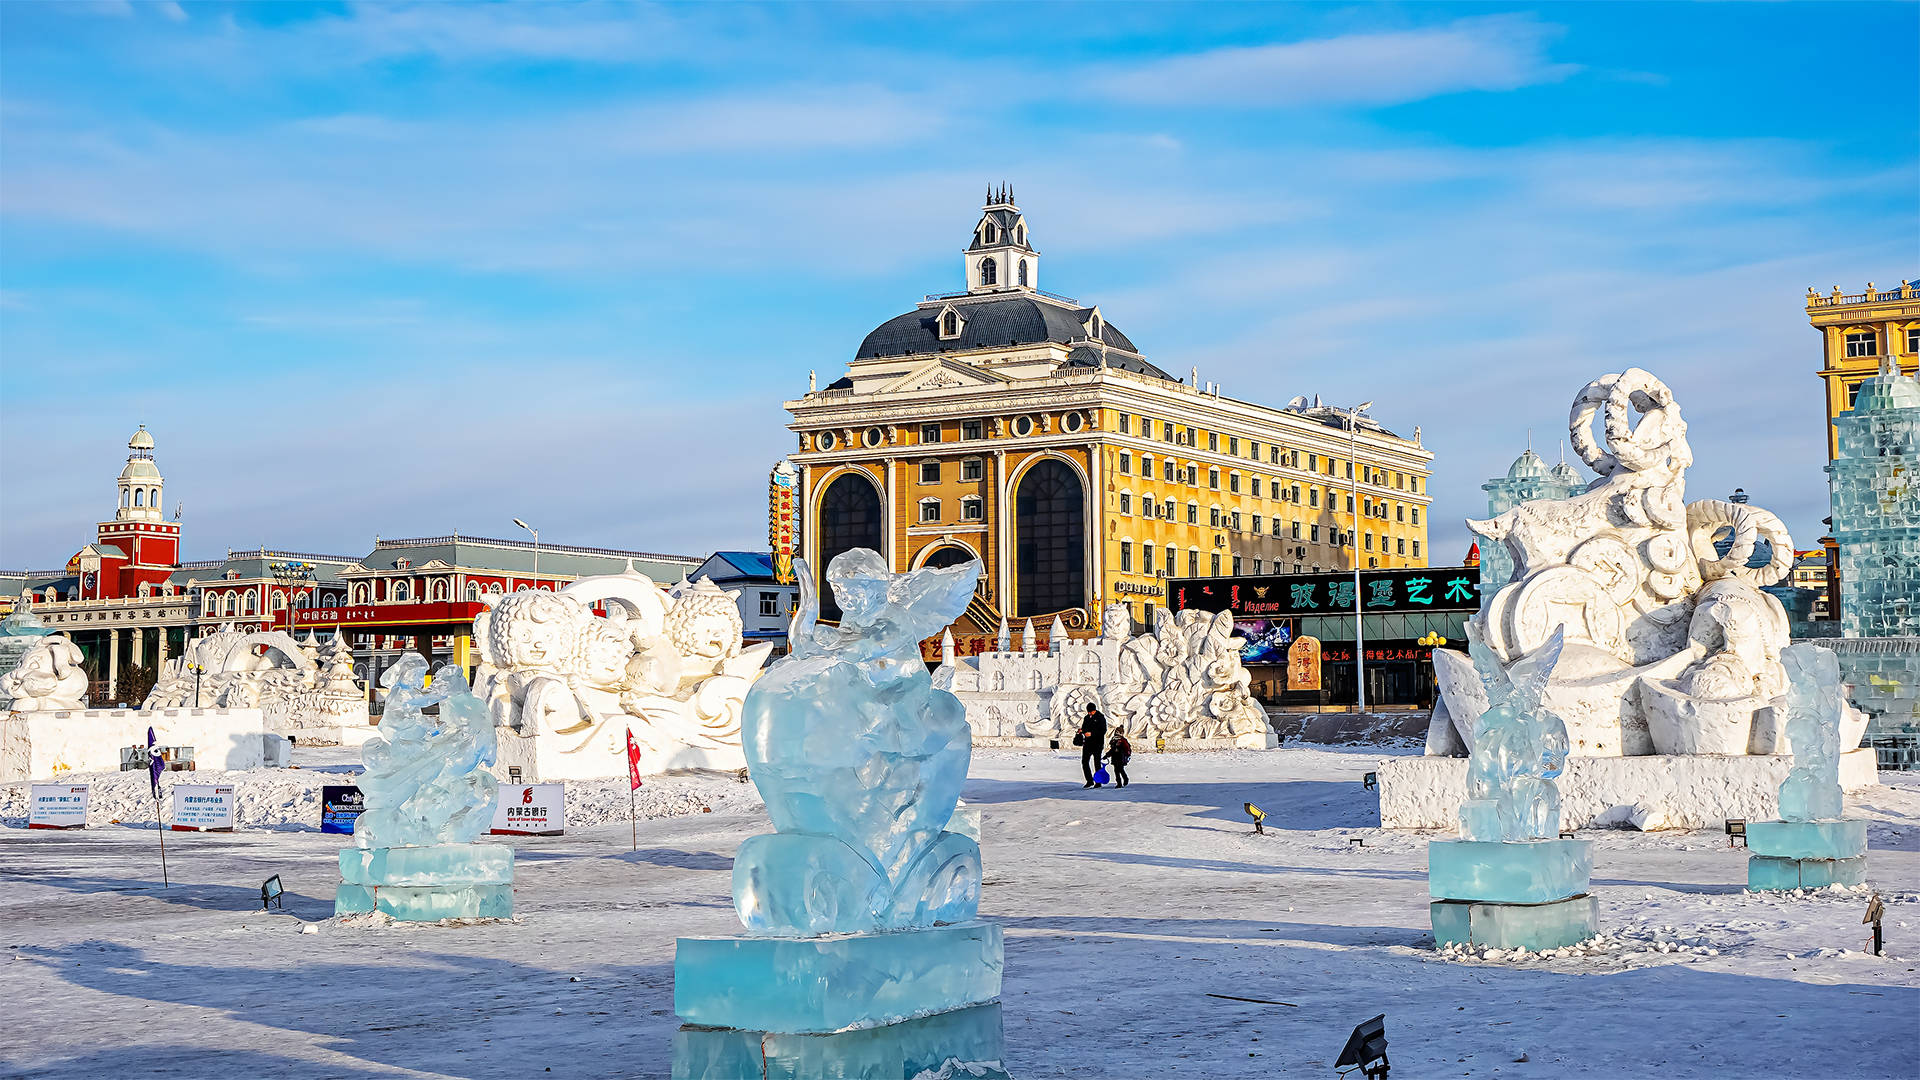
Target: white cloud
point(1490, 53)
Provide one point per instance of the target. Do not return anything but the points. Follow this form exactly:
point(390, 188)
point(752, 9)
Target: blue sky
point(414, 269)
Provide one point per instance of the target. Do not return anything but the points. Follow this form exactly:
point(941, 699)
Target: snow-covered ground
point(1125, 910)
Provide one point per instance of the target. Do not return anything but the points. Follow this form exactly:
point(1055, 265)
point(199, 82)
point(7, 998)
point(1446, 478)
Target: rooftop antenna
point(1529, 440)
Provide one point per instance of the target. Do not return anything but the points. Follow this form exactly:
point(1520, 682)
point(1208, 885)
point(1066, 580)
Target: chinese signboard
point(58, 806)
point(1441, 588)
point(340, 805)
point(535, 810)
point(1343, 653)
point(782, 523)
point(1303, 664)
point(441, 611)
point(203, 807)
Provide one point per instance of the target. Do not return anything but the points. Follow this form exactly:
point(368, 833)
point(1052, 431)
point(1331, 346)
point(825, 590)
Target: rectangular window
point(1253, 449)
point(1126, 503)
point(1233, 482)
point(1256, 487)
point(1313, 534)
point(1400, 545)
point(1295, 531)
point(970, 429)
point(1349, 503)
point(1235, 521)
point(1399, 512)
point(1257, 566)
point(1173, 565)
point(1166, 431)
point(1146, 426)
point(1416, 549)
point(1126, 464)
point(1146, 558)
point(1913, 341)
point(929, 433)
point(1369, 541)
point(1126, 556)
point(972, 469)
point(1256, 523)
point(930, 510)
point(1215, 562)
point(1413, 483)
point(1863, 343)
point(1233, 445)
point(1313, 496)
point(1236, 566)
point(970, 509)
point(769, 603)
point(1168, 510)
point(1213, 516)
point(929, 472)
point(1400, 480)
point(1126, 424)
point(1168, 471)
point(1313, 463)
point(1193, 513)
point(1350, 470)
point(1193, 564)
point(1213, 479)
point(1273, 455)
point(1213, 441)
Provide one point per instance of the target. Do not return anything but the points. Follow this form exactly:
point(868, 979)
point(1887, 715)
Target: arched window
point(989, 272)
point(153, 498)
point(247, 603)
point(139, 496)
point(849, 518)
point(950, 325)
point(1023, 271)
point(279, 601)
point(948, 555)
point(496, 589)
point(1020, 234)
point(209, 604)
point(125, 495)
point(400, 590)
point(1050, 540)
point(360, 594)
point(473, 592)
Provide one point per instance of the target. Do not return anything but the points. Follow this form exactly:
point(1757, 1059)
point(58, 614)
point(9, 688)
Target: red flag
point(633, 761)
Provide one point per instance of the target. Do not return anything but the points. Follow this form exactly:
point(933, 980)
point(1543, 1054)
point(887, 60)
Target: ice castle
point(1527, 478)
point(1876, 525)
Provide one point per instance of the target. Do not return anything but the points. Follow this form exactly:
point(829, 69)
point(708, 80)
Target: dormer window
point(989, 234)
point(950, 324)
point(1020, 235)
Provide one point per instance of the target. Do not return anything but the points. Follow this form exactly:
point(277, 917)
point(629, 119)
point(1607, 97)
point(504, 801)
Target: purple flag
point(154, 765)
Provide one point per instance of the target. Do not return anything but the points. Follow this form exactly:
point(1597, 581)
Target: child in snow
point(1119, 752)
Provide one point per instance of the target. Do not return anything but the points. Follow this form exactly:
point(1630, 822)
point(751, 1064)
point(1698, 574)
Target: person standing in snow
point(1119, 752)
point(1091, 740)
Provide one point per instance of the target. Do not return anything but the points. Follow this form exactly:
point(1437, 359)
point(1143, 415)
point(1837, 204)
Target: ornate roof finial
point(1009, 194)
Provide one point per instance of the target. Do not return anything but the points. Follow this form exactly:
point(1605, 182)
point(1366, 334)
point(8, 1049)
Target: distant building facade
point(1856, 331)
point(1022, 428)
point(766, 604)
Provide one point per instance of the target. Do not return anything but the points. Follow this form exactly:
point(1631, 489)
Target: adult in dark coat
point(1093, 741)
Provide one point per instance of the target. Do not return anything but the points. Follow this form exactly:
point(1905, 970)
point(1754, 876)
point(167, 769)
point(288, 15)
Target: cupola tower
point(140, 481)
point(1001, 257)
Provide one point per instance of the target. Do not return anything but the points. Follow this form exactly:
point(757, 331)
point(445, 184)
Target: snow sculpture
point(1510, 880)
point(565, 684)
point(1812, 846)
point(1671, 646)
point(861, 909)
point(270, 671)
point(428, 797)
point(48, 678)
point(1183, 681)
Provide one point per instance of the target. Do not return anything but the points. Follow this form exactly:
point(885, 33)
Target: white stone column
point(1003, 527)
point(890, 515)
point(113, 665)
point(1096, 529)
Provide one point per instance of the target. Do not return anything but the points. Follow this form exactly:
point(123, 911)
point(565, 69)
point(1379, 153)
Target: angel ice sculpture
point(860, 760)
point(1518, 749)
point(426, 780)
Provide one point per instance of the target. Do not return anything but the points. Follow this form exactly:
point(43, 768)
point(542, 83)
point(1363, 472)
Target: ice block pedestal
point(1511, 894)
point(1806, 854)
point(960, 1043)
point(426, 884)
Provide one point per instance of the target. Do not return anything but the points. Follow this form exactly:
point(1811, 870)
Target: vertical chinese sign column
point(781, 523)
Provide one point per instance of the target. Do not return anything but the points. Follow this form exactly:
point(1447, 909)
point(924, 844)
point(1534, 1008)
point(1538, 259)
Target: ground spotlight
point(1258, 815)
point(1366, 1049)
point(270, 892)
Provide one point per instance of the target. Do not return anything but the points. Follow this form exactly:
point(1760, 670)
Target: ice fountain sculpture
point(1511, 880)
point(428, 797)
point(1812, 846)
point(861, 909)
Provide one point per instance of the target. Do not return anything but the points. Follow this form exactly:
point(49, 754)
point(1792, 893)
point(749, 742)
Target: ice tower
point(864, 955)
point(1527, 478)
point(1511, 880)
point(1876, 525)
point(428, 797)
point(1812, 846)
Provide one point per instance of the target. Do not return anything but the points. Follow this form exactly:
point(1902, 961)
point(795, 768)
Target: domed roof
point(140, 469)
point(1564, 473)
point(141, 440)
point(1002, 322)
point(1528, 466)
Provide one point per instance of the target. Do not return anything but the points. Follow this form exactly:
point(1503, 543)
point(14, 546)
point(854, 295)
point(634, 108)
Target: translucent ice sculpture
point(1811, 792)
point(426, 780)
point(1519, 747)
point(860, 760)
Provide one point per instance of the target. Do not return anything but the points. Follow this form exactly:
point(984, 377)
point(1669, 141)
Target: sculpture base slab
point(1515, 926)
point(1767, 873)
point(427, 883)
point(1518, 872)
point(1657, 791)
point(1843, 839)
point(825, 984)
point(960, 1043)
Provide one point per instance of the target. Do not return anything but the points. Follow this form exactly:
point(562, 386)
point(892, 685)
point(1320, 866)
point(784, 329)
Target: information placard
point(340, 804)
point(531, 810)
point(203, 807)
point(58, 806)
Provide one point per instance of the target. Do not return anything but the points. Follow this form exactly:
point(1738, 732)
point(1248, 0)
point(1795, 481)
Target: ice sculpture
point(1671, 645)
point(1812, 846)
point(860, 909)
point(428, 797)
point(564, 684)
point(1511, 880)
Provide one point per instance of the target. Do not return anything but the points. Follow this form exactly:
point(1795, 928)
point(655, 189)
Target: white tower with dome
point(1001, 257)
point(140, 482)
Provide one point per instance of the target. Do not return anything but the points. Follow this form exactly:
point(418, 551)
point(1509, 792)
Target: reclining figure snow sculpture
point(48, 678)
point(1671, 647)
point(564, 684)
point(860, 760)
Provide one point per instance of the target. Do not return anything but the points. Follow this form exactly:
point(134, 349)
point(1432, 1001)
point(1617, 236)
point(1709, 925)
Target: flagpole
point(155, 767)
point(633, 817)
point(162, 827)
point(633, 785)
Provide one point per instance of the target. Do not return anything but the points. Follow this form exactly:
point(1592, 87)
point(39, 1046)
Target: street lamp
point(290, 574)
point(1352, 417)
point(536, 549)
point(198, 670)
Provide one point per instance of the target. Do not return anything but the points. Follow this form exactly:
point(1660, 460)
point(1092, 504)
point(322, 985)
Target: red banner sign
point(388, 614)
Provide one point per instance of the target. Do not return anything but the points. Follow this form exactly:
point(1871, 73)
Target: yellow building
point(1856, 330)
point(1022, 428)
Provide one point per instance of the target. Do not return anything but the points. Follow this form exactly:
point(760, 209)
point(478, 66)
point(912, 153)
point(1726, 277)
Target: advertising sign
point(1439, 588)
point(58, 806)
point(1303, 664)
point(532, 810)
point(340, 804)
point(1266, 640)
point(203, 807)
point(782, 520)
